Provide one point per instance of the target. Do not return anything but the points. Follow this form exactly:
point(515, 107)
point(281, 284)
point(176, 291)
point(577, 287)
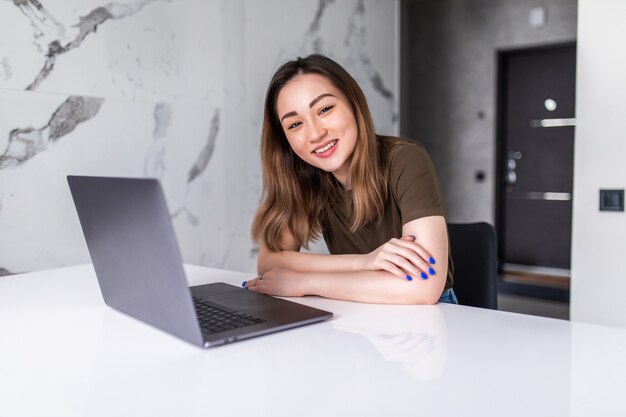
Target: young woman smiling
point(375, 199)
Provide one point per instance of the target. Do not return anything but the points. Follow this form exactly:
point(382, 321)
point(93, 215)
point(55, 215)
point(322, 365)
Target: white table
point(63, 352)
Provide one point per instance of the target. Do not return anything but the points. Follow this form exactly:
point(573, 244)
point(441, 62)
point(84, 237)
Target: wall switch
point(611, 200)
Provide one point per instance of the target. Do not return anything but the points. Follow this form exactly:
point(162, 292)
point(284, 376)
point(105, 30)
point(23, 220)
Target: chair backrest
point(473, 249)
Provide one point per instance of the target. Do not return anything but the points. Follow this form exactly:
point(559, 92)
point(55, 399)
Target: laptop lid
point(139, 268)
point(134, 252)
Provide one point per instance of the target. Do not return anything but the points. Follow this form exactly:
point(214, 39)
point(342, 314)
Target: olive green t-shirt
point(413, 193)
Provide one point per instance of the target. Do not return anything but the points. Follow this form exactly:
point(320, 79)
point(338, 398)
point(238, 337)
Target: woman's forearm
point(379, 287)
point(307, 262)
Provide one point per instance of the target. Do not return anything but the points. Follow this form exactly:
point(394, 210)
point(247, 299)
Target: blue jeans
point(448, 296)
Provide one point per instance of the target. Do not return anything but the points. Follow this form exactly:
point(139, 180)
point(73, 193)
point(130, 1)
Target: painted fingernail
point(412, 237)
point(423, 275)
point(409, 278)
point(243, 284)
point(431, 271)
point(431, 260)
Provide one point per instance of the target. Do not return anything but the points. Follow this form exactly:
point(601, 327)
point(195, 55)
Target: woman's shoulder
point(411, 173)
point(399, 151)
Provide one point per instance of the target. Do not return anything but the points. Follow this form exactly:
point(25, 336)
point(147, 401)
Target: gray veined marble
point(356, 26)
point(355, 42)
point(5, 69)
point(44, 24)
point(4, 272)
point(192, 218)
point(155, 159)
point(25, 143)
point(144, 54)
point(199, 166)
point(312, 36)
point(321, 8)
point(376, 80)
point(207, 151)
point(50, 30)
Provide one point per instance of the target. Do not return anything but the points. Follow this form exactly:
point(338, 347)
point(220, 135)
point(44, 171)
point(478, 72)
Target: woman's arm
point(369, 286)
point(290, 257)
point(399, 256)
point(380, 287)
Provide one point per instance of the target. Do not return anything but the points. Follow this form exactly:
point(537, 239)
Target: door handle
point(510, 178)
point(545, 196)
point(553, 122)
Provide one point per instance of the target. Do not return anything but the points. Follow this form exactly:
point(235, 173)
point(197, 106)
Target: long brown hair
point(296, 195)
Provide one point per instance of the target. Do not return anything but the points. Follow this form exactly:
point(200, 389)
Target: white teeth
point(327, 147)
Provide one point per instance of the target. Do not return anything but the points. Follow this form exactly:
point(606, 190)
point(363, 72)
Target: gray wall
point(448, 90)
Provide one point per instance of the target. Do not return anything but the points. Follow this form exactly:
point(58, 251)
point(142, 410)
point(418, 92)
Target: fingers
point(258, 287)
point(252, 284)
point(413, 252)
point(406, 266)
point(277, 283)
point(265, 283)
point(424, 254)
point(407, 256)
point(391, 267)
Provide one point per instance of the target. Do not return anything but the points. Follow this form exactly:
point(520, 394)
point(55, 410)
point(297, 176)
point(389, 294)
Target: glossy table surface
point(63, 352)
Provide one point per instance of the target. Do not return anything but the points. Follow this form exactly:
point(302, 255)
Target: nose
point(317, 131)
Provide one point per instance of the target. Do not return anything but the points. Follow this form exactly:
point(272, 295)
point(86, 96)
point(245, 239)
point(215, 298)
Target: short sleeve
point(414, 183)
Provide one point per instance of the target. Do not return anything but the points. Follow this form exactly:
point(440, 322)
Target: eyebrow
point(311, 104)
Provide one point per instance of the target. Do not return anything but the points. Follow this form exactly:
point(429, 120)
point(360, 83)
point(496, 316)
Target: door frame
point(501, 156)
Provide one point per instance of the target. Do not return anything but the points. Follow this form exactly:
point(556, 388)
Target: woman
point(375, 200)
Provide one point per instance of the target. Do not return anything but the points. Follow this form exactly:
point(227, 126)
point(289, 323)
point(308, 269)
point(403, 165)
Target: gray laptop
point(134, 252)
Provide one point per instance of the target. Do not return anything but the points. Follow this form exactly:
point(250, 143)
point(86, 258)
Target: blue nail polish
point(243, 284)
point(431, 271)
point(431, 260)
point(423, 275)
point(409, 278)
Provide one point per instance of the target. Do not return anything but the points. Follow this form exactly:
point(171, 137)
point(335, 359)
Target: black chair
point(473, 249)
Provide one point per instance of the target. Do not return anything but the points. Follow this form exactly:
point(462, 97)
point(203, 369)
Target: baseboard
point(535, 291)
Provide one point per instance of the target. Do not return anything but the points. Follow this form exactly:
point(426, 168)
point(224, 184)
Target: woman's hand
point(402, 257)
point(280, 282)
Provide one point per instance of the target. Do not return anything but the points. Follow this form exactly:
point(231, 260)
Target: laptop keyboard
point(215, 320)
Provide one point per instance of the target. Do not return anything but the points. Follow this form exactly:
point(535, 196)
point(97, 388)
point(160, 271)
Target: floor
point(533, 305)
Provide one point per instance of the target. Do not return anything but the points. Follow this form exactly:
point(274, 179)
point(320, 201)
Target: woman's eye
point(325, 109)
point(294, 125)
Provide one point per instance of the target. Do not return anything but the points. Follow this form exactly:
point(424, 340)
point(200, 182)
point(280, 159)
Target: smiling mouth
point(327, 147)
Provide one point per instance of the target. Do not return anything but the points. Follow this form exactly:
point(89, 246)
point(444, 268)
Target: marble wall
point(171, 89)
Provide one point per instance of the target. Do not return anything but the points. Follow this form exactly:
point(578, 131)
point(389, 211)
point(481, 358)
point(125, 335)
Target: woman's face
point(319, 123)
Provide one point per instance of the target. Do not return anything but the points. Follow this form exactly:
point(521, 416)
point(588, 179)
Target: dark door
point(536, 154)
